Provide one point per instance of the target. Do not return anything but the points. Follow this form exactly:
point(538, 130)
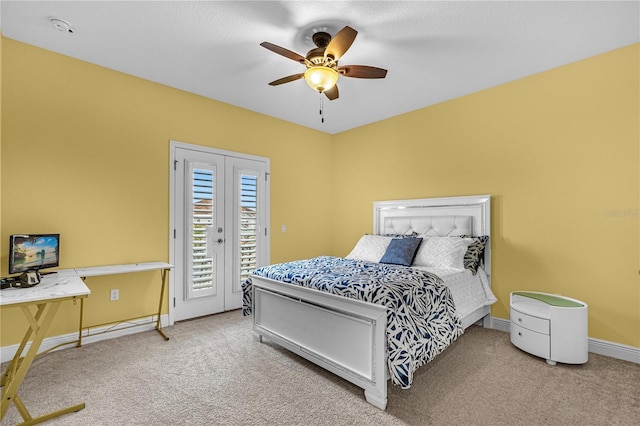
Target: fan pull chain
point(321, 108)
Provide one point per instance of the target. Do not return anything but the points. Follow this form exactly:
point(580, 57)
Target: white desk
point(46, 297)
point(125, 269)
point(67, 284)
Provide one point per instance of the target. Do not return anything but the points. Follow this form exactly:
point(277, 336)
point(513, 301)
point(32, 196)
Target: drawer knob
point(519, 319)
point(519, 333)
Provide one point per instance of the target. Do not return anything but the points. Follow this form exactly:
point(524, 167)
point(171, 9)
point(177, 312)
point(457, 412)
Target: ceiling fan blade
point(282, 51)
point(340, 43)
point(362, 71)
point(286, 79)
point(332, 93)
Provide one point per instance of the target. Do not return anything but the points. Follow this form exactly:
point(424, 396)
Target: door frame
point(173, 146)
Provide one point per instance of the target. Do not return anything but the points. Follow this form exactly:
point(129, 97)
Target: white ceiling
point(434, 50)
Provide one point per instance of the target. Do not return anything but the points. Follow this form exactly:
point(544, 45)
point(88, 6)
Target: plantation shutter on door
point(202, 222)
point(248, 224)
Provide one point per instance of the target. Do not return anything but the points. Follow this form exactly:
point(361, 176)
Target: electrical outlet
point(115, 294)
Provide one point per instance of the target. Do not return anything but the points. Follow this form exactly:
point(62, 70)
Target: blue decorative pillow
point(401, 251)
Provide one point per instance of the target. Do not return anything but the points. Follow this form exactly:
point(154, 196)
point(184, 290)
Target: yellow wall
point(1, 40)
point(85, 152)
point(558, 151)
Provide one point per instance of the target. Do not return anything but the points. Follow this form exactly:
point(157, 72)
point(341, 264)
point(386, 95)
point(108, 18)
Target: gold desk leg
point(14, 374)
point(32, 421)
point(19, 365)
point(21, 408)
point(13, 366)
point(80, 327)
point(158, 321)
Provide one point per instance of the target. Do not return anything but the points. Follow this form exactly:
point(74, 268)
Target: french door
point(219, 218)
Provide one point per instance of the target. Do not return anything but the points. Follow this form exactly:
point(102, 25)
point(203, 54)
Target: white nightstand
point(550, 326)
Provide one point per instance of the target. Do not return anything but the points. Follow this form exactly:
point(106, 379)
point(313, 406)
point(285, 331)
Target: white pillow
point(370, 248)
point(442, 252)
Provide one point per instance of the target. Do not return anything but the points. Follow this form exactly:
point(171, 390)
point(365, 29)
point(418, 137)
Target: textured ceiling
point(434, 51)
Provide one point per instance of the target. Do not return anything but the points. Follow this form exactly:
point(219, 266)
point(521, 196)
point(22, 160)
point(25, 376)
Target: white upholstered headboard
point(448, 216)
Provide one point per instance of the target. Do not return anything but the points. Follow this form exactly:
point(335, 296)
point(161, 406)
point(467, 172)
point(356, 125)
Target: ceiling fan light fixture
point(321, 78)
point(322, 63)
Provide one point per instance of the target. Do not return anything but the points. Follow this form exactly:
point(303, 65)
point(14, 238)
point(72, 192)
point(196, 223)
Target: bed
point(375, 315)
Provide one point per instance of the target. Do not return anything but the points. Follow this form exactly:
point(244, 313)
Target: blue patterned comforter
point(421, 320)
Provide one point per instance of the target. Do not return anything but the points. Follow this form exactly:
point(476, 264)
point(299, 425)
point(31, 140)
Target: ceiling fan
point(322, 62)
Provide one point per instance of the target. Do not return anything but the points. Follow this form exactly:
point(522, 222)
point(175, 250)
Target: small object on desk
point(27, 279)
point(6, 282)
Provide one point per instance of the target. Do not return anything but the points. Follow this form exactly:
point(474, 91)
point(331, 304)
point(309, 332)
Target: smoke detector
point(61, 25)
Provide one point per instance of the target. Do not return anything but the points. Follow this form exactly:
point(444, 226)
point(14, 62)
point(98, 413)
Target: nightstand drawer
point(539, 325)
point(535, 343)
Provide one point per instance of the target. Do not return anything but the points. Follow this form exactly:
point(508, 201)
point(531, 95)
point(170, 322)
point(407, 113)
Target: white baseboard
point(614, 350)
point(500, 324)
point(89, 335)
point(596, 346)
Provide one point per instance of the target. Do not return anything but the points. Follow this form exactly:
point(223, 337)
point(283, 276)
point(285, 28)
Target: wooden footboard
point(344, 336)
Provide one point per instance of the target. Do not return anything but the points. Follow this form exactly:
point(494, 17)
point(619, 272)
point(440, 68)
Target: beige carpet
point(212, 372)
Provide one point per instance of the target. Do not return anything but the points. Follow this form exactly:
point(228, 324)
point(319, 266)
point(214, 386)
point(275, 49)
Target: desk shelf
point(126, 269)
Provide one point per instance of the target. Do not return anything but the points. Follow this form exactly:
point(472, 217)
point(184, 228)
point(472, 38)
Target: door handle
point(220, 240)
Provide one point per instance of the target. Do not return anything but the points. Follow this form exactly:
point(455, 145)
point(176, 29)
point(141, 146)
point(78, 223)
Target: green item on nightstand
point(550, 299)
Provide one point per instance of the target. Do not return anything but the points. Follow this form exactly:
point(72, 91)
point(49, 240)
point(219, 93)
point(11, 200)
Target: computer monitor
point(33, 252)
